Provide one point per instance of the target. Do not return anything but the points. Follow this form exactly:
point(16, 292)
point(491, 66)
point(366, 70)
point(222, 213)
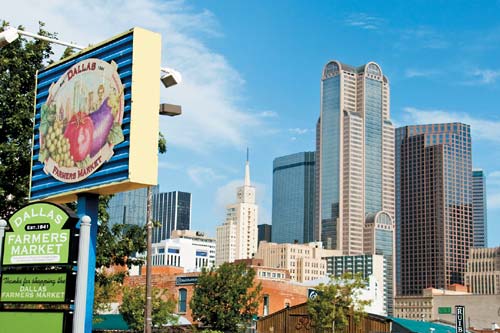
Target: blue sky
point(252, 73)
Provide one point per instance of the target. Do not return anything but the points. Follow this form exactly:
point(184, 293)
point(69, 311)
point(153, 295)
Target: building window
point(266, 305)
point(182, 300)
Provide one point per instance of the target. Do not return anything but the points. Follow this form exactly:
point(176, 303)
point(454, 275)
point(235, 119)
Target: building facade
point(129, 207)
point(305, 262)
point(264, 232)
point(191, 250)
point(435, 205)
point(483, 271)
point(479, 211)
point(439, 305)
point(237, 236)
point(367, 265)
point(293, 198)
point(173, 212)
point(355, 154)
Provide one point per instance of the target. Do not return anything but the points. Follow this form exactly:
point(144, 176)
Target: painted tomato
point(79, 132)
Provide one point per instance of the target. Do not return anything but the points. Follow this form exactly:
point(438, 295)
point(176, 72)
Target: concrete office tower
point(434, 223)
point(293, 198)
point(237, 236)
point(479, 212)
point(483, 271)
point(305, 262)
point(173, 211)
point(129, 207)
point(355, 154)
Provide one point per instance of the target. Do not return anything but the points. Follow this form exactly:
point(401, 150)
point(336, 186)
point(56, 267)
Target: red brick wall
point(279, 292)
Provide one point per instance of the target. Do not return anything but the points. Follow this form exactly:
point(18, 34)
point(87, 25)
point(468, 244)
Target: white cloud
point(268, 114)
point(202, 175)
point(482, 129)
point(298, 131)
point(211, 89)
point(412, 73)
point(484, 76)
point(364, 21)
point(426, 37)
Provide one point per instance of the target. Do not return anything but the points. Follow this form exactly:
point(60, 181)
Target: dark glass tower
point(479, 212)
point(434, 204)
point(173, 211)
point(293, 198)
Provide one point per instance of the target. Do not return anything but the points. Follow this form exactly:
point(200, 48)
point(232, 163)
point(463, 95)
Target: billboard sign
point(186, 280)
point(35, 287)
point(460, 318)
point(40, 233)
point(30, 321)
point(88, 136)
point(81, 120)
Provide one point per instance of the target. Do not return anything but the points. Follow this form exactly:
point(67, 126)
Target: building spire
point(247, 170)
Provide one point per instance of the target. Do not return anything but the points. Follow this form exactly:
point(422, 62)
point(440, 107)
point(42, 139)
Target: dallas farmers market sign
point(81, 120)
point(39, 235)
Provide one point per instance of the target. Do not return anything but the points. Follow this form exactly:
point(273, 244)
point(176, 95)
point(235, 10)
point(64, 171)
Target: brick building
point(277, 293)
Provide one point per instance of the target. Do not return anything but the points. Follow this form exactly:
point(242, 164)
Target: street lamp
point(10, 34)
point(169, 78)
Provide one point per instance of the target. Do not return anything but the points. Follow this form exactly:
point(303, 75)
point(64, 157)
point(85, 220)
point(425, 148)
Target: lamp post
point(170, 110)
point(10, 34)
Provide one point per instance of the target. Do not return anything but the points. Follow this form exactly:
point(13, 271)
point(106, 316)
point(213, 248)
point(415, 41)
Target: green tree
point(133, 306)
point(225, 299)
point(19, 62)
point(336, 301)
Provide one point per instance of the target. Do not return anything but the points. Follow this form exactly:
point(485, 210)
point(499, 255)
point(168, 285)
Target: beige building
point(305, 262)
point(237, 236)
point(483, 271)
point(439, 305)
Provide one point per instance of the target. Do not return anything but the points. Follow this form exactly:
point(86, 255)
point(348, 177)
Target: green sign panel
point(41, 288)
point(39, 234)
point(444, 310)
point(52, 322)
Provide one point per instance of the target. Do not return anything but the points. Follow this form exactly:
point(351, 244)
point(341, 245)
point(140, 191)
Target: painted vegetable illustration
point(103, 121)
point(79, 133)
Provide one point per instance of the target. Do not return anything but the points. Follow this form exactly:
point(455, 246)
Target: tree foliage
point(133, 307)
point(19, 62)
point(225, 299)
point(338, 300)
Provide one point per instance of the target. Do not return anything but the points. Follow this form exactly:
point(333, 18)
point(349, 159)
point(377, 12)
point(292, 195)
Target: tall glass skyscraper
point(355, 154)
point(434, 204)
point(293, 198)
point(479, 212)
point(129, 207)
point(173, 211)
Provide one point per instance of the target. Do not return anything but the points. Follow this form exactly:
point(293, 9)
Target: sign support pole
point(82, 276)
point(87, 205)
point(3, 224)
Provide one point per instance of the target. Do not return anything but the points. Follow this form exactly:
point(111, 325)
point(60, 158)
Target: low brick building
point(277, 293)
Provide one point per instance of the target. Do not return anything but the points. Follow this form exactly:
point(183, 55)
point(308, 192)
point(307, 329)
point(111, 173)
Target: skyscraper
point(434, 199)
point(293, 198)
point(129, 207)
point(355, 154)
point(479, 212)
point(264, 232)
point(237, 236)
point(173, 211)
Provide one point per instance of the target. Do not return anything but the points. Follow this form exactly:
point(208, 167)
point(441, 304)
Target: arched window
point(182, 300)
